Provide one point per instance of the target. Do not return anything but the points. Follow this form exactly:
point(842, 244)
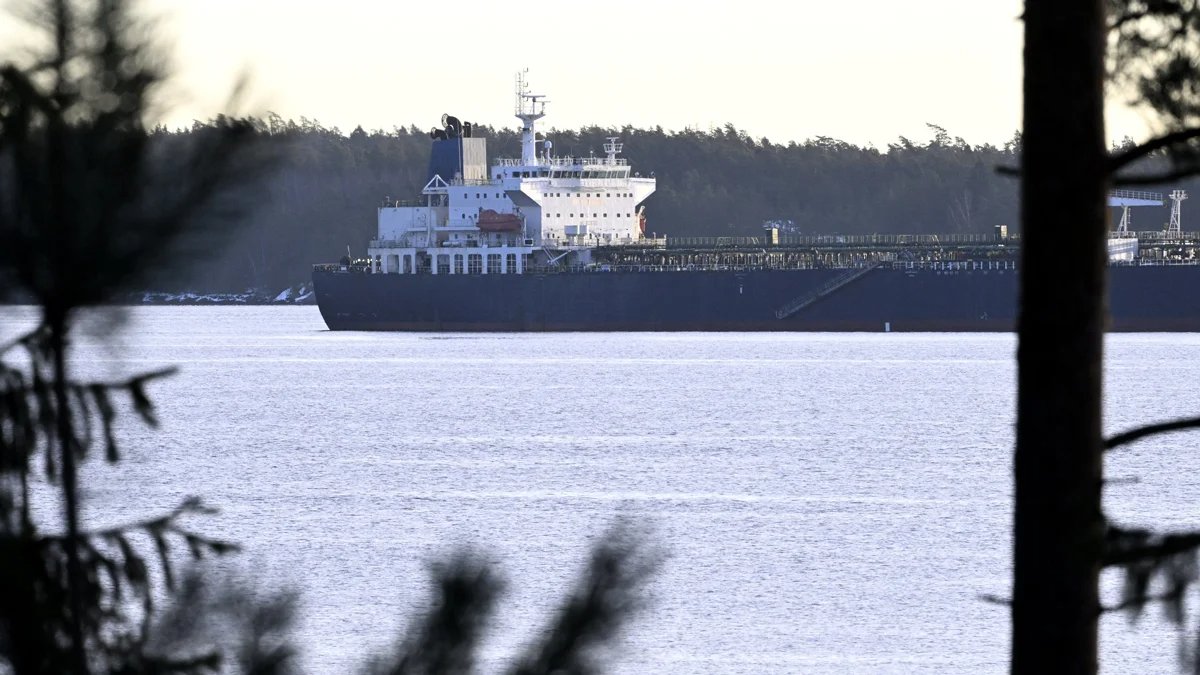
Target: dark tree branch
point(1127, 17)
point(1156, 178)
point(1162, 547)
point(164, 522)
point(1136, 603)
point(447, 637)
point(25, 340)
point(596, 610)
point(1131, 155)
point(1136, 434)
point(70, 492)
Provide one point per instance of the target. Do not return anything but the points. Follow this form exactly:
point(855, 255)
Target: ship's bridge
point(577, 200)
point(540, 200)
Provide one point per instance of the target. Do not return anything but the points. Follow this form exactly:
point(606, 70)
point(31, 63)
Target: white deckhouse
point(538, 209)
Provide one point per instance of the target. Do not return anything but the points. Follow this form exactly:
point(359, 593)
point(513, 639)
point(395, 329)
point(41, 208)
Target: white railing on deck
point(565, 161)
point(1136, 194)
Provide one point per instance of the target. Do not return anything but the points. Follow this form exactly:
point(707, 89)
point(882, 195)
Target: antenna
point(613, 148)
point(528, 105)
point(530, 108)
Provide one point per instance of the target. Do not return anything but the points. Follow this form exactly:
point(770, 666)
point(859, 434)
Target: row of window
point(584, 215)
point(556, 194)
point(555, 173)
point(475, 263)
point(588, 195)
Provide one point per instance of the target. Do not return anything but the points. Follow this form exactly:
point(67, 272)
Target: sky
point(865, 72)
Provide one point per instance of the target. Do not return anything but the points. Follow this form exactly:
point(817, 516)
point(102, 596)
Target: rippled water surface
point(828, 503)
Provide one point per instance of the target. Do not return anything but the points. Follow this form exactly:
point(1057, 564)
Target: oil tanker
point(558, 243)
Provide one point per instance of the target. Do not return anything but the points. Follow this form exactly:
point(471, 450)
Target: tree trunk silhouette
point(1059, 527)
point(57, 323)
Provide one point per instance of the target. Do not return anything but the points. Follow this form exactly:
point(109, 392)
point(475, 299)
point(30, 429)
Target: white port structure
point(1125, 199)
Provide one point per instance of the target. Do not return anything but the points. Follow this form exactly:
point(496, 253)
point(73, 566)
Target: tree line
point(721, 182)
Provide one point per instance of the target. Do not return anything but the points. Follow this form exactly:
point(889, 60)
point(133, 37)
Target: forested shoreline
point(321, 198)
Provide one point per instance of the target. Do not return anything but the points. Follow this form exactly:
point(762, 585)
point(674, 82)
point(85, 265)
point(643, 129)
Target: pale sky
point(865, 72)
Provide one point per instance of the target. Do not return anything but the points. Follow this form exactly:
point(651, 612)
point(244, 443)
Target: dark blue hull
point(1160, 298)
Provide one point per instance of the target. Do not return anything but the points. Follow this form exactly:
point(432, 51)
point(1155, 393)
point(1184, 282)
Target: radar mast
point(530, 109)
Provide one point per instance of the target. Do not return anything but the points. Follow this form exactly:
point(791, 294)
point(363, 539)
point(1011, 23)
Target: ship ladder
point(829, 287)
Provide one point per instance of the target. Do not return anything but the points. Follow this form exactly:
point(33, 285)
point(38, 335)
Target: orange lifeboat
point(490, 221)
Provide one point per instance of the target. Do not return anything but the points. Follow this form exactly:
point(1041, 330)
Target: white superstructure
point(540, 208)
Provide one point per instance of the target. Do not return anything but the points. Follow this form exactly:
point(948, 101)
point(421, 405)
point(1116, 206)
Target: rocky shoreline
point(301, 294)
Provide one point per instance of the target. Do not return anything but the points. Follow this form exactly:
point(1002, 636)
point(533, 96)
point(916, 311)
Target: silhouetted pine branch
point(89, 205)
point(446, 638)
point(1153, 63)
point(607, 595)
point(1138, 433)
point(204, 621)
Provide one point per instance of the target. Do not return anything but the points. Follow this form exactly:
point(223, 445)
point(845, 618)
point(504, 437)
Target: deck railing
point(842, 240)
point(599, 268)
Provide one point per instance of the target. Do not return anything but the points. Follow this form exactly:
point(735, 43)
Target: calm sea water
point(828, 503)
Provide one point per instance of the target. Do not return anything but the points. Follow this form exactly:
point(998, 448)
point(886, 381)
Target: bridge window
point(493, 263)
point(475, 263)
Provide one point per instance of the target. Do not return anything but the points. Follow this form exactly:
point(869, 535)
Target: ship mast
point(1177, 197)
point(530, 108)
point(612, 148)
